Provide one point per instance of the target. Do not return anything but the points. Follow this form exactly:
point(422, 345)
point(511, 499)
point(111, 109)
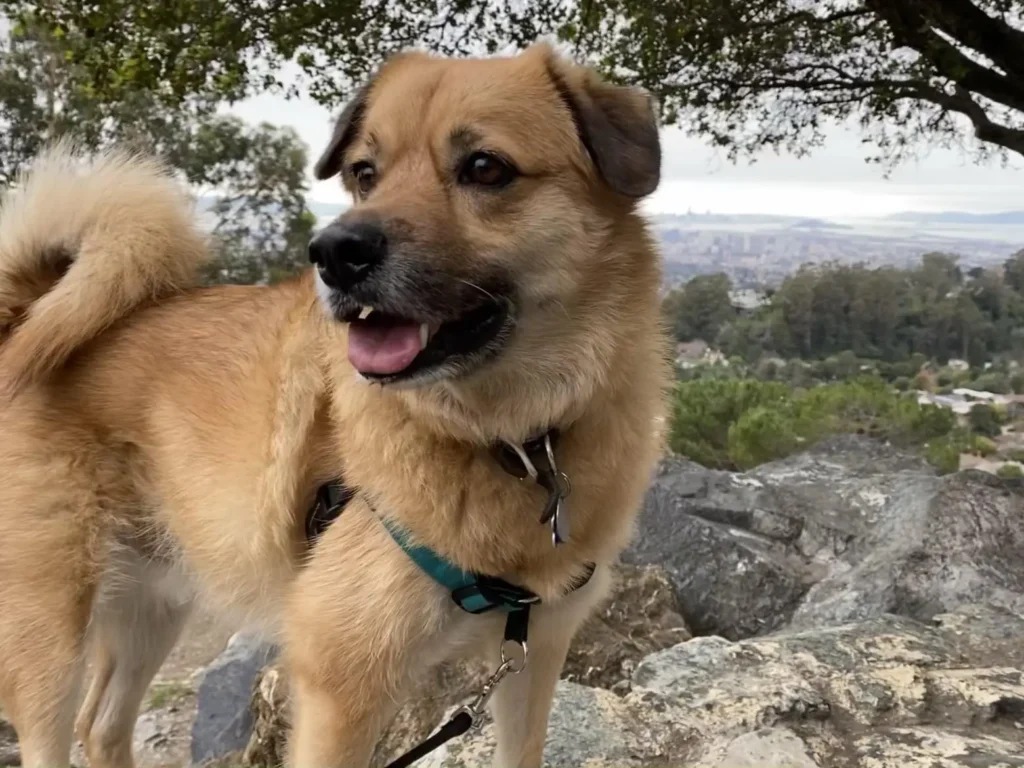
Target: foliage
point(1017, 383)
point(263, 223)
point(984, 421)
point(704, 411)
point(1010, 472)
point(744, 75)
point(739, 423)
point(47, 90)
point(944, 454)
point(760, 435)
point(983, 446)
point(700, 308)
point(846, 315)
point(997, 383)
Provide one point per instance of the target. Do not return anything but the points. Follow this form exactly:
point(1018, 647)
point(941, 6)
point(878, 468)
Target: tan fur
point(154, 457)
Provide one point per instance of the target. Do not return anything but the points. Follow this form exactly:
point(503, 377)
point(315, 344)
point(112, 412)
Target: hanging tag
point(560, 523)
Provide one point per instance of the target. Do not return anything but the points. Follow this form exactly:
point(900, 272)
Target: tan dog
point(161, 444)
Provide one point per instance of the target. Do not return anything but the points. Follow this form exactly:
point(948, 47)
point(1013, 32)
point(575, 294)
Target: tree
point(746, 75)
point(750, 75)
point(1013, 272)
point(700, 308)
point(262, 221)
point(252, 177)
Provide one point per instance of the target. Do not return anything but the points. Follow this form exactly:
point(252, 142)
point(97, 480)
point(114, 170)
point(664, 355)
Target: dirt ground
point(163, 730)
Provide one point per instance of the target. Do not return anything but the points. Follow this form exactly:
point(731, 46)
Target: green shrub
point(943, 454)
point(902, 384)
point(997, 383)
point(740, 423)
point(760, 435)
point(983, 446)
point(984, 420)
point(1010, 472)
point(1015, 454)
point(704, 410)
point(1017, 383)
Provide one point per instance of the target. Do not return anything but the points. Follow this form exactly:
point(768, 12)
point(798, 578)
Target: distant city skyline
point(835, 181)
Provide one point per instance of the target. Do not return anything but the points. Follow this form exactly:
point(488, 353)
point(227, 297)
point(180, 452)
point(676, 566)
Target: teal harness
point(472, 592)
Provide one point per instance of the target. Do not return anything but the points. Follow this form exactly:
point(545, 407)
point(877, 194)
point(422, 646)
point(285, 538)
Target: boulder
point(850, 529)
point(887, 692)
point(223, 722)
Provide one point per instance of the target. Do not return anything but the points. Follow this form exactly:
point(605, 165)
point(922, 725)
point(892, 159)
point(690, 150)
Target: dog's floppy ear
point(345, 129)
point(617, 125)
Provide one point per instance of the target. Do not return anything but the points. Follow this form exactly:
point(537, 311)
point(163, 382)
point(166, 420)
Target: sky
point(834, 182)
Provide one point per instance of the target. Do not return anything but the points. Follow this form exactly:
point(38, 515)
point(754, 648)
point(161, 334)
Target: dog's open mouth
point(387, 347)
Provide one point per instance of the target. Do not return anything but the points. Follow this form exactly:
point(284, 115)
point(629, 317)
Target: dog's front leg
point(522, 702)
point(360, 617)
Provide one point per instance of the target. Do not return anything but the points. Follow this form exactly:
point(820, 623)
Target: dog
point(162, 441)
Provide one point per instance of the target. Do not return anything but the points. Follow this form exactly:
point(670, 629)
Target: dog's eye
point(365, 176)
point(486, 170)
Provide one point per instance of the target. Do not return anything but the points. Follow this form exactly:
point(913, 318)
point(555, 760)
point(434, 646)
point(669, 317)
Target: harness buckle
point(486, 594)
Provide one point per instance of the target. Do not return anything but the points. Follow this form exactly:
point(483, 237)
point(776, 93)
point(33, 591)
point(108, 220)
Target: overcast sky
point(835, 181)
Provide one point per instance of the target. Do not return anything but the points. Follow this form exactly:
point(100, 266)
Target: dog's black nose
point(346, 253)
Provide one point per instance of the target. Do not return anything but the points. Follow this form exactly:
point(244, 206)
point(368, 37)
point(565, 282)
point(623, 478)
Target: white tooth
point(365, 312)
point(424, 335)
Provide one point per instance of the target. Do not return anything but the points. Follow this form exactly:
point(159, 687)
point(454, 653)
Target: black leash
point(461, 722)
point(513, 660)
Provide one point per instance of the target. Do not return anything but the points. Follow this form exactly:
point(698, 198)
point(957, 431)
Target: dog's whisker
point(486, 293)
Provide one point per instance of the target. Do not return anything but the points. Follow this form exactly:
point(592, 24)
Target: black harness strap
point(331, 500)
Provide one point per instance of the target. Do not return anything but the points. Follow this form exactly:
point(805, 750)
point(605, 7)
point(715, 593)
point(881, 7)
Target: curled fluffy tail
point(83, 242)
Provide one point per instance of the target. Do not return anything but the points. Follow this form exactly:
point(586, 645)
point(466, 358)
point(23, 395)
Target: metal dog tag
point(560, 523)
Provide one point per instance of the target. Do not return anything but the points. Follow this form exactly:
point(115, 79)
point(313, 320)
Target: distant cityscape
point(758, 252)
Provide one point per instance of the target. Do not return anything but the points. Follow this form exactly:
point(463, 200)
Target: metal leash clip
point(513, 660)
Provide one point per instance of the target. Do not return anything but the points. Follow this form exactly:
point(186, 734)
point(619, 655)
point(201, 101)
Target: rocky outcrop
point(858, 611)
point(887, 692)
point(850, 529)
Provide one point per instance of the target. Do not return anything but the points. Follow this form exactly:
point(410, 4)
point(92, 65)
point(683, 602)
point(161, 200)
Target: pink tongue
point(382, 349)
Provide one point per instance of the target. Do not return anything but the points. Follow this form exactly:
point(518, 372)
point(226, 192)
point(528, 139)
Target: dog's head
point(482, 190)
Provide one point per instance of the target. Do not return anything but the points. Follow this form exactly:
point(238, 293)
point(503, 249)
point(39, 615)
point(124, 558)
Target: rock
point(638, 618)
point(9, 754)
point(223, 722)
point(768, 747)
point(850, 529)
point(887, 692)
point(588, 727)
point(931, 550)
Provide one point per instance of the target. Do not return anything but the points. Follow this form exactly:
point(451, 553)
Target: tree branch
point(964, 21)
point(912, 28)
point(984, 127)
point(810, 17)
